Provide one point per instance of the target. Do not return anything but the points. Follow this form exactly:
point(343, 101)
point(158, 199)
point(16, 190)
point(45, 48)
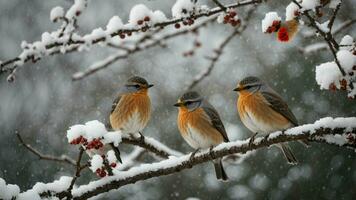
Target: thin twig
point(220, 5)
point(41, 156)
point(79, 168)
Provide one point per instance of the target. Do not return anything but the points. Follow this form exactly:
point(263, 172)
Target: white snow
point(114, 24)
point(75, 132)
point(111, 156)
point(112, 137)
point(94, 35)
point(183, 8)
point(94, 129)
point(324, 26)
point(290, 11)
point(56, 13)
point(310, 4)
point(268, 20)
point(8, 191)
point(57, 186)
point(76, 8)
point(139, 12)
point(96, 162)
point(46, 38)
point(326, 74)
point(347, 40)
point(158, 16)
point(346, 59)
point(315, 47)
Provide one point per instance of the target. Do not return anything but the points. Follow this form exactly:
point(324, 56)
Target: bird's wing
point(215, 120)
point(277, 104)
point(114, 104)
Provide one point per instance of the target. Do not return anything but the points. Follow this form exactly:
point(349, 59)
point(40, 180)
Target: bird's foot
point(211, 153)
point(142, 138)
point(252, 139)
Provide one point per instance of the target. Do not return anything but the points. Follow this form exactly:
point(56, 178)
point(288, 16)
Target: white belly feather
point(133, 124)
point(261, 127)
point(197, 140)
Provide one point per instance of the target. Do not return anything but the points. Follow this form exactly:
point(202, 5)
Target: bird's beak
point(150, 85)
point(238, 89)
point(179, 104)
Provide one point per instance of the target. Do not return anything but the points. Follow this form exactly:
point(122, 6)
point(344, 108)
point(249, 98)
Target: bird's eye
point(188, 102)
point(137, 86)
point(247, 87)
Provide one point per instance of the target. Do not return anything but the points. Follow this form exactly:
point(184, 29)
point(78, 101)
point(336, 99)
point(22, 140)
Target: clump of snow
point(346, 59)
point(111, 156)
point(291, 10)
point(269, 19)
point(46, 38)
point(56, 13)
point(8, 191)
point(347, 42)
point(158, 16)
point(310, 4)
point(96, 162)
point(326, 74)
point(112, 137)
point(114, 24)
point(139, 12)
point(324, 26)
point(95, 34)
point(75, 132)
point(94, 129)
point(183, 8)
point(76, 9)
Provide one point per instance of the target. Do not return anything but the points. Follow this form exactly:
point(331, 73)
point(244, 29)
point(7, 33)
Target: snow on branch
point(335, 131)
point(142, 19)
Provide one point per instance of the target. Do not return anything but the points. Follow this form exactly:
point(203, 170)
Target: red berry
point(113, 165)
point(147, 18)
point(275, 23)
point(102, 173)
point(351, 73)
point(226, 18)
point(296, 13)
point(144, 29)
point(234, 23)
point(177, 25)
point(98, 170)
point(283, 34)
point(332, 87)
point(232, 14)
point(140, 22)
point(197, 44)
point(122, 36)
point(129, 33)
point(343, 83)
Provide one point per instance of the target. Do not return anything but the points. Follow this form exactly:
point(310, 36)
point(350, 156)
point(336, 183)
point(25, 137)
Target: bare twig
point(333, 17)
point(41, 156)
point(220, 5)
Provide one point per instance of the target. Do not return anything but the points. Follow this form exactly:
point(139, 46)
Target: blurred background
point(43, 102)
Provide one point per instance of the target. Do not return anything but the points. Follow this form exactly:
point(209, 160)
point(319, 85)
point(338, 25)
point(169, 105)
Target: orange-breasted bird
point(263, 111)
point(131, 109)
point(200, 126)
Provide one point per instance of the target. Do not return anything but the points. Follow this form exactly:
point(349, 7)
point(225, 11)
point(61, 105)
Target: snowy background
point(43, 102)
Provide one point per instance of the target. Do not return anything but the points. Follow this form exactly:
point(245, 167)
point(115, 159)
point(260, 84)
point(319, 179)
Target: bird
point(263, 111)
point(131, 110)
point(201, 127)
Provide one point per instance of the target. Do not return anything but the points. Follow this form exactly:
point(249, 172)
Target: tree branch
point(323, 128)
point(41, 156)
point(73, 44)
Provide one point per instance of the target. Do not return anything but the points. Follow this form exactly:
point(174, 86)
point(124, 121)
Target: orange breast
point(258, 109)
point(130, 104)
point(200, 122)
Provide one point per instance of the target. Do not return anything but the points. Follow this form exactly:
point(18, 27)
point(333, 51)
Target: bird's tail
point(288, 154)
point(219, 170)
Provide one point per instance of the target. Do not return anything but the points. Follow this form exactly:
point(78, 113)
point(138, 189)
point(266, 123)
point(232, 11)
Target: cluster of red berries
point(94, 144)
point(351, 137)
point(231, 18)
point(276, 24)
point(187, 22)
point(101, 172)
point(79, 140)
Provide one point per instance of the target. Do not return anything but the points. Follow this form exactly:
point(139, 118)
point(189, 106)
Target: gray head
point(249, 84)
point(136, 83)
point(189, 100)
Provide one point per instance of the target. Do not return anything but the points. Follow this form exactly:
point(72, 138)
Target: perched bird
point(263, 111)
point(131, 109)
point(201, 127)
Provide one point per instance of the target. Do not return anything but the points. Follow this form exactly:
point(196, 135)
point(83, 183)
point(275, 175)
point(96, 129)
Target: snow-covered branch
point(141, 20)
point(336, 131)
